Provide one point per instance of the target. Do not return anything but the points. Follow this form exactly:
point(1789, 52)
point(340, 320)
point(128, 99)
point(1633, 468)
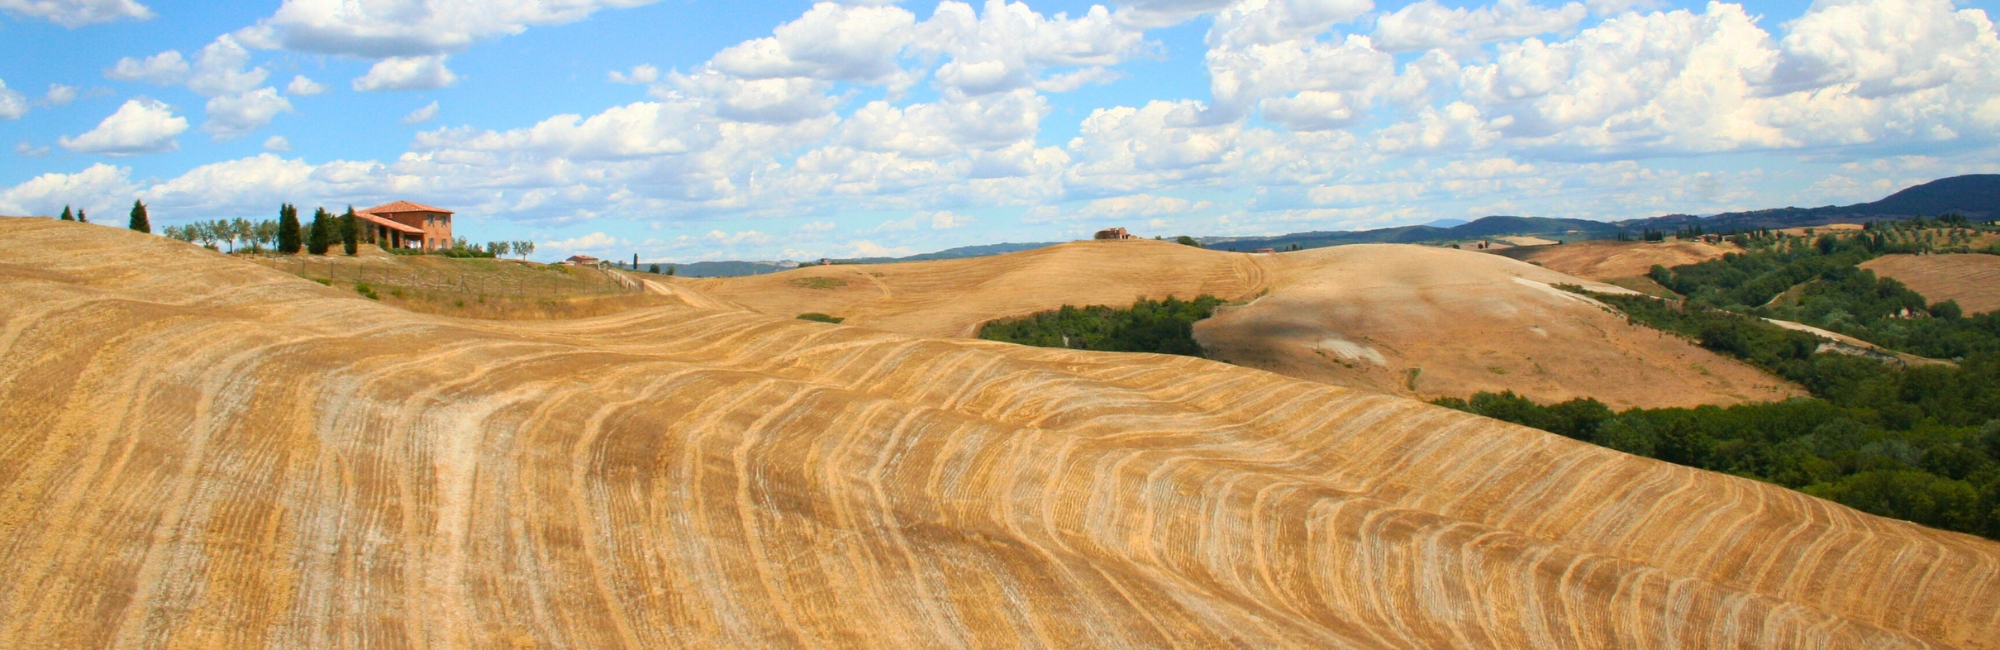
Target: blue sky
point(691, 129)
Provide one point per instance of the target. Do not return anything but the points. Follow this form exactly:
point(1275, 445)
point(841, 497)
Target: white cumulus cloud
point(422, 115)
point(406, 73)
point(98, 188)
point(304, 87)
point(233, 116)
point(141, 126)
point(77, 13)
point(13, 104)
point(1427, 24)
point(163, 69)
point(381, 29)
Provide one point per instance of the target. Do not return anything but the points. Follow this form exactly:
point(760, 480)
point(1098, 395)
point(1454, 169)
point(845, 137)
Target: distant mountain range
point(1975, 196)
point(730, 269)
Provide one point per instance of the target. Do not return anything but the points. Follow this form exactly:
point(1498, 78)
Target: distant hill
point(1483, 228)
point(1976, 196)
point(726, 269)
point(733, 269)
point(953, 253)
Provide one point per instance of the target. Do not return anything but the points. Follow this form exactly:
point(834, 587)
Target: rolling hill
point(1973, 280)
point(198, 451)
point(1362, 316)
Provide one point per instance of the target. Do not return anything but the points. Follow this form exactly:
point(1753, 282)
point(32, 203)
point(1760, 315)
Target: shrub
point(820, 318)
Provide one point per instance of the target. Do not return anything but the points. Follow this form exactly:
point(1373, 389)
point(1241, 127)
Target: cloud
point(1126, 149)
point(422, 115)
point(382, 29)
point(952, 126)
point(59, 95)
point(1265, 22)
point(865, 248)
point(1425, 25)
point(141, 126)
point(769, 101)
point(830, 42)
point(304, 87)
point(946, 220)
point(595, 241)
point(26, 150)
point(1007, 46)
point(219, 69)
point(641, 74)
point(77, 13)
point(816, 226)
point(1134, 206)
point(13, 104)
point(731, 239)
point(163, 69)
point(100, 187)
point(406, 73)
point(938, 220)
point(233, 116)
point(277, 143)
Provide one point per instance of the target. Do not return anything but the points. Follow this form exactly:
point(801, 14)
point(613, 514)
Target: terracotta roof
point(405, 206)
point(370, 217)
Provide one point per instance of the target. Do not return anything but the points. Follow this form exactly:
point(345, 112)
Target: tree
point(66, 215)
point(320, 237)
point(350, 232)
point(1185, 240)
point(81, 217)
point(240, 229)
point(670, 269)
point(288, 230)
point(524, 248)
point(653, 269)
point(139, 220)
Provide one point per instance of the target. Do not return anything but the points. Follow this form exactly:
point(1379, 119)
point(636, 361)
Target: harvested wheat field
point(1607, 260)
point(1409, 320)
point(1972, 279)
point(954, 297)
point(201, 452)
point(1431, 322)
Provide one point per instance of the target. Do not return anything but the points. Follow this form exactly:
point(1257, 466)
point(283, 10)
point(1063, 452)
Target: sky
point(688, 130)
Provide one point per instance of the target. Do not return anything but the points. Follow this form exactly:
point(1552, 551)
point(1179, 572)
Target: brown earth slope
point(1607, 260)
point(1363, 316)
point(953, 297)
point(1971, 279)
point(200, 452)
point(1433, 322)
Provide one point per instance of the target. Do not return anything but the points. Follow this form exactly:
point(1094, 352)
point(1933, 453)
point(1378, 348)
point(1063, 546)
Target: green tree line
point(1162, 326)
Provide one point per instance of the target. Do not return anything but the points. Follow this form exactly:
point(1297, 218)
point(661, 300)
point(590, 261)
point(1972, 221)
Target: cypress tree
point(81, 217)
point(139, 220)
point(320, 237)
point(350, 232)
point(288, 230)
point(66, 215)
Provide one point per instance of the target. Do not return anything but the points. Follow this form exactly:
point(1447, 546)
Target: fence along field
point(471, 287)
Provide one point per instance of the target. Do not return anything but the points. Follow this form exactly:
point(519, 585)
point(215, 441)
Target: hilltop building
point(581, 260)
point(1114, 233)
point(407, 225)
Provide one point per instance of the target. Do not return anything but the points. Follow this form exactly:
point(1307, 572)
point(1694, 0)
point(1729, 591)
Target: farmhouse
point(581, 260)
point(1114, 233)
point(407, 225)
